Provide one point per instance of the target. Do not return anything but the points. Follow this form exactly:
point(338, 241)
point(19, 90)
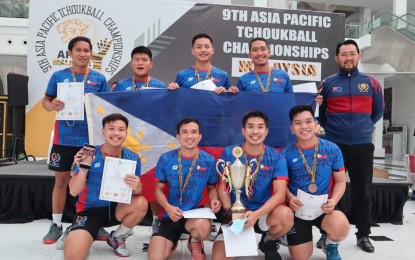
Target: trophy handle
point(226, 178)
point(253, 164)
point(222, 163)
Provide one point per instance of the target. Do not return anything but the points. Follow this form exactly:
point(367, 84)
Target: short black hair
point(257, 39)
point(299, 109)
point(254, 113)
point(72, 42)
point(142, 49)
point(346, 42)
point(114, 117)
point(186, 121)
point(202, 35)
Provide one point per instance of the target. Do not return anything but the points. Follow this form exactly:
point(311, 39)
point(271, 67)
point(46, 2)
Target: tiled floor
point(24, 241)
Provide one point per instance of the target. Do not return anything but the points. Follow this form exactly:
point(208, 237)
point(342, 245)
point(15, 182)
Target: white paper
point(243, 245)
point(146, 88)
point(205, 85)
point(309, 87)
point(199, 213)
point(72, 94)
point(113, 186)
point(311, 208)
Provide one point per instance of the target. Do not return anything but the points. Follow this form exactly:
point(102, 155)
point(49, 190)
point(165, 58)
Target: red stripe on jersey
point(362, 104)
point(56, 133)
point(80, 205)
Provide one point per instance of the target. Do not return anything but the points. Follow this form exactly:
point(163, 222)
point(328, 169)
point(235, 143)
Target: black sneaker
point(269, 248)
point(365, 245)
point(321, 241)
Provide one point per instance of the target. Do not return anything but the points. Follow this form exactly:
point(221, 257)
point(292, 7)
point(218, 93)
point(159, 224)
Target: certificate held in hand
point(72, 94)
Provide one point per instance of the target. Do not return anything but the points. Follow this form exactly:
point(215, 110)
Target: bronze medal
point(312, 188)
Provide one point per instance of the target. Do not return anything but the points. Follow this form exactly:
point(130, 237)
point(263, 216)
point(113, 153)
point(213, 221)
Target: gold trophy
point(235, 175)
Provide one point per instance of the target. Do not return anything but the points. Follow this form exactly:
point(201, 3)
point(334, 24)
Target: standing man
point(315, 166)
point(265, 211)
point(69, 135)
point(263, 78)
point(92, 213)
point(202, 50)
point(141, 64)
point(186, 171)
point(353, 103)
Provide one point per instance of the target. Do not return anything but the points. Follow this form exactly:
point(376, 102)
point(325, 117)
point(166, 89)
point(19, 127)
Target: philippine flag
point(153, 115)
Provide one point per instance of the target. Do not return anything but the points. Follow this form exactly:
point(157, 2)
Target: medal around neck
point(233, 175)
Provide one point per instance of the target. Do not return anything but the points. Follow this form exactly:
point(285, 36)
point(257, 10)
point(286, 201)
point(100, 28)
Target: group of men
point(351, 104)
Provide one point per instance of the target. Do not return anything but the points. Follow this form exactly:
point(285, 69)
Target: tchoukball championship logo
point(65, 23)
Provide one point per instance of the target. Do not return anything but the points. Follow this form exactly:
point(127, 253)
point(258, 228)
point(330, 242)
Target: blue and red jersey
point(279, 82)
point(203, 174)
point(352, 104)
point(329, 161)
point(127, 84)
point(187, 77)
point(89, 197)
point(273, 167)
point(71, 132)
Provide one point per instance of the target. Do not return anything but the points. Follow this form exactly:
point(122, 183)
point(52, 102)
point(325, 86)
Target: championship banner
point(301, 42)
point(154, 114)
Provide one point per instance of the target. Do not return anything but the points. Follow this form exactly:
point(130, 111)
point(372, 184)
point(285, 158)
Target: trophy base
point(238, 211)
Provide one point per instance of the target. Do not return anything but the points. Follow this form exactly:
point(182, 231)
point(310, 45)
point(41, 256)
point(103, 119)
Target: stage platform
point(26, 194)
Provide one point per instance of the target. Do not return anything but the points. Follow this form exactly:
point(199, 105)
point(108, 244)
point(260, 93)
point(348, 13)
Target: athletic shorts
point(171, 230)
point(301, 232)
point(257, 229)
point(92, 220)
point(61, 157)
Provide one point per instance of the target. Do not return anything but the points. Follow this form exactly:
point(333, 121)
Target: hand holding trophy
point(235, 175)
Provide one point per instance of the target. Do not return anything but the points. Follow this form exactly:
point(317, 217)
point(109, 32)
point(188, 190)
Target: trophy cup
point(235, 175)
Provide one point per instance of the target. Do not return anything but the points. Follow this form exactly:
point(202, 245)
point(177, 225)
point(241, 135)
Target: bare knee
point(61, 180)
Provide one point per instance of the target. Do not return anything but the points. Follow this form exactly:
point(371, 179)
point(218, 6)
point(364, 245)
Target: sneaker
point(102, 235)
point(213, 232)
point(269, 248)
point(331, 251)
point(155, 226)
point(283, 240)
point(321, 241)
point(60, 243)
point(196, 249)
point(118, 244)
point(184, 236)
point(53, 235)
point(365, 245)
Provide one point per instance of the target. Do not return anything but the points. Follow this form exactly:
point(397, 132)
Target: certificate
point(113, 186)
point(242, 245)
point(72, 94)
point(311, 208)
point(199, 213)
point(205, 85)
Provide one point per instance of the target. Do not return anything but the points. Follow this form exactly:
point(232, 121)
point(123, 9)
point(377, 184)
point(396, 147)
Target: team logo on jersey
point(80, 221)
point(215, 80)
point(69, 21)
point(97, 165)
point(363, 87)
point(55, 159)
point(278, 80)
point(295, 160)
point(175, 167)
point(252, 82)
point(91, 83)
point(322, 156)
point(337, 89)
point(200, 168)
point(265, 168)
point(190, 79)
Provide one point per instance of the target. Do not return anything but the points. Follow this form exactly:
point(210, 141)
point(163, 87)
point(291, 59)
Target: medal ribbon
point(310, 171)
point(189, 175)
point(85, 75)
point(208, 74)
point(266, 88)
point(134, 85)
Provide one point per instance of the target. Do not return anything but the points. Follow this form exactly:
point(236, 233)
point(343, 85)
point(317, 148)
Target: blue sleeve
point(323, 107)
point(138, 167)
point(227, 83)
point(179, 80)
point(240, 84)
point(281, 171)
point(52, 88)
point(377, 105)
point(104, 84)
point(161, 170)
point(338, 162)
point(289, 86)
point(213, 179)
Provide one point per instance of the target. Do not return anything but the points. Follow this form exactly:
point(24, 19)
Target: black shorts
point(302, 232)
point(171, 230)
point(92, 220)
point(61, 157)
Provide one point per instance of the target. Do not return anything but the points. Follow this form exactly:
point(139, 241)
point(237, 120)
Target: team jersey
point(127, 84)
point(273, 167)
point(89, 197)
point(187, 78)
point(329, 160)
point(71, 132)
point(279, 82)
point(204, 173)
